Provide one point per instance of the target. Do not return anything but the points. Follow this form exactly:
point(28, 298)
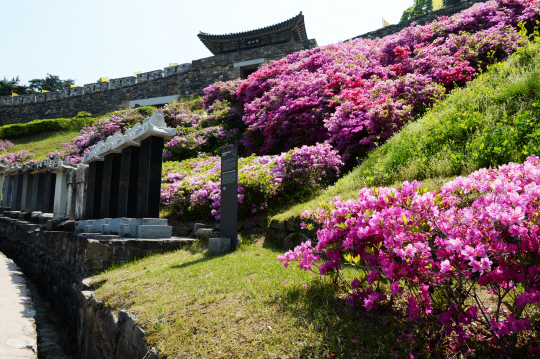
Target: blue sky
point(87, 40)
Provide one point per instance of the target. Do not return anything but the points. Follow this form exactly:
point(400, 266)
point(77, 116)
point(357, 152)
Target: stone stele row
point(116, 189)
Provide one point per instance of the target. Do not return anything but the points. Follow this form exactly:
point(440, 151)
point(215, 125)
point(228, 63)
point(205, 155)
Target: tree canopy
point(9, 86)
point(50, 83)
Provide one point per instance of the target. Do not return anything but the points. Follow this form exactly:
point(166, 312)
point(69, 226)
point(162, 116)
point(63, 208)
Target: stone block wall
point(182, 80)
point(420, 20)
point(60, 263)
point(288, 234)
point(103, 334)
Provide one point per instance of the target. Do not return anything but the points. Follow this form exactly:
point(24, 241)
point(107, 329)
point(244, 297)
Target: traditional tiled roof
point(294, 25)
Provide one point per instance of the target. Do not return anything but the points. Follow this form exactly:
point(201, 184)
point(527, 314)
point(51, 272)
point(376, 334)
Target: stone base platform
point(148, 228)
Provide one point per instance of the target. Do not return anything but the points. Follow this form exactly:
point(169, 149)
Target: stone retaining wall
point(117, 93)
point(60, 263)
point(103, 334)
point(288, 234)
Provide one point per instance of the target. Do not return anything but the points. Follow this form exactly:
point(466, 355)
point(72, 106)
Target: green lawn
point(42, 144)
point(193, 305)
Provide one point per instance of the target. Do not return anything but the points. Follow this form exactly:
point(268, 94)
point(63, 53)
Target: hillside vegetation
point(493, 120)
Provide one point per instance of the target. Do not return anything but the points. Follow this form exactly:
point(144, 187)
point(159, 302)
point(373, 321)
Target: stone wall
point(288, 234)
point(60, 263)
point(182, 80)
point(420, 20)
point(103, 334)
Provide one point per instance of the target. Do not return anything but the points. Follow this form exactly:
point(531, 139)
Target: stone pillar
point(5, 190)
point(127, 191)
point(27, 200)
point(93, 194)
point(111, 181)
point(149, 181)
point(71, 193)
point(81, 184)
point(60, 195)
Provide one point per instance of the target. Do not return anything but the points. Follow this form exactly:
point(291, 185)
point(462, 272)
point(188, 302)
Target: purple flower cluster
point(15, 159)
point(465, 259)
point(191, 188)
point(100, 130)
point(5, 145)
point(358, 93)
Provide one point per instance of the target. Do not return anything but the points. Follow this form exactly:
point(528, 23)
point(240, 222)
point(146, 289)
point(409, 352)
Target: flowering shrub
point(100, 130)
point(358, 93)
point(463, 261)
point(191, 188)
point(199, 131)
point(5, 145)
point(18, 158)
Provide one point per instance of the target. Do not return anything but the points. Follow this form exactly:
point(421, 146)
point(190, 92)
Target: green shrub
point(18, 130)
point(146, 111)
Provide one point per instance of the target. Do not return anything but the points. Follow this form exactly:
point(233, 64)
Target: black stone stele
point(43, 192)
point(128, 187)
point(229, 195)
point(111, 182)
point(14, 188)
point(35, 197)
point(149, 181)
point(93, 192)
point(27, 206)
point(18, 194)
point(51, 185)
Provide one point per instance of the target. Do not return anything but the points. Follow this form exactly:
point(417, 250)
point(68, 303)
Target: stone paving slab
point(18, 338)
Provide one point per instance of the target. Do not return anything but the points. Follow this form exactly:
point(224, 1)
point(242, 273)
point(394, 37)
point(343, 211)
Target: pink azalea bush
point(191, 189)
point(200, 131)
point(5, 145)
point(14, 159)
point(358, 93)
point(100, 130)
point(463, 261)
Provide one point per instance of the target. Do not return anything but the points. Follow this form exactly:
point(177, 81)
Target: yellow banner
point(385, 23)
point(43, 91)
point(104, 79)
point(437, 4)
point(171, 64)
point(72, 86)
point(13, 94)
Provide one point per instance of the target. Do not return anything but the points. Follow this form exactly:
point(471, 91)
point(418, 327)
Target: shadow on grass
point(342, 331)
point(196, 249)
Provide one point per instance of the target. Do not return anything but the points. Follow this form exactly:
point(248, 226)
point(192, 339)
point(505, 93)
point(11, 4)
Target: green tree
point(420, 7)
point(50, 83)
point(9, 86)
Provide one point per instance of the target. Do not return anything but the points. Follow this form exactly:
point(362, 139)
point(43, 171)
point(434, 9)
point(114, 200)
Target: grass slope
point(43, 143)
point(193, 305)
point(493, 120)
